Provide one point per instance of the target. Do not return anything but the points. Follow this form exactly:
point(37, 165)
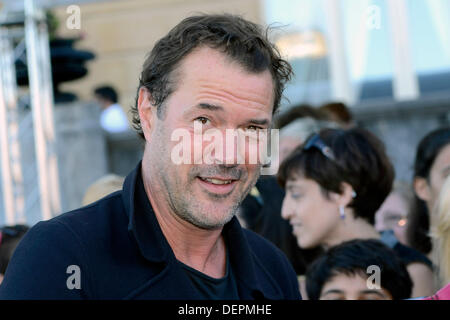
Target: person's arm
point(48, 263)
point(422, 278)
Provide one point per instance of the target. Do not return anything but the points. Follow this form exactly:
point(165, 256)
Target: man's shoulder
point(272, 262)
point(263, 248)
point(92, 220)
point(50, 248)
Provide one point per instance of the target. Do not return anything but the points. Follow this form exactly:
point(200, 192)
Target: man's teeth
point(216, 181)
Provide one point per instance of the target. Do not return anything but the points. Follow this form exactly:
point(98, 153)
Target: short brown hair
point(361, 161)
point(297, 112)
point(242, 41)
point(338, 110)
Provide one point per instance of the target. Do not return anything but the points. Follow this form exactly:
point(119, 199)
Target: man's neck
point(203, 250)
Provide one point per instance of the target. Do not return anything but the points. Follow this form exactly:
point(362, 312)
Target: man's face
point(217, 94)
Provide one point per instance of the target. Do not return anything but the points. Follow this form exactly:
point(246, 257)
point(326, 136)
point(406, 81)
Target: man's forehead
point(213, 68)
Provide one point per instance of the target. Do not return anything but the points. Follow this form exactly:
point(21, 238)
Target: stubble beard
point(180, 198)
point(188, 208)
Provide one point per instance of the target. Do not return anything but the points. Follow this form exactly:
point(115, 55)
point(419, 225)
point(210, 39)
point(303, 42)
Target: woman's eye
point(295, 196)
point(202, 120)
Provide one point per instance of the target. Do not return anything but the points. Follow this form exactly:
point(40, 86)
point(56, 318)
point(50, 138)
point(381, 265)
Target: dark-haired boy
point(358, 270)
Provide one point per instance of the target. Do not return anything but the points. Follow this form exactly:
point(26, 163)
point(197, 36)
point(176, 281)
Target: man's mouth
point(218, 185)
point(216, 181)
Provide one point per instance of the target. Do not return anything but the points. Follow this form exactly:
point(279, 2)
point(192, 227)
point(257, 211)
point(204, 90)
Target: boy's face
point(351, 287)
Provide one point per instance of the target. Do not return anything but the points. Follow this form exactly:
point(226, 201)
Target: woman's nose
point(286, 210)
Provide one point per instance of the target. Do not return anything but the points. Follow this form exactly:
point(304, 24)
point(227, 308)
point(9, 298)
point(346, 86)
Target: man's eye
point(202, 120)
point(253, 128)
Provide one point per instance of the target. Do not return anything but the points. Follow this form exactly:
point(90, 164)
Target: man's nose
point(226, 151)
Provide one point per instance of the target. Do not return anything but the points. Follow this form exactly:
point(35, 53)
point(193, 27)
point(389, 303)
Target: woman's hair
point(301, 111)
point(440, 234)
point(10, 237)
point(339, 111)
point(302, 128)
point(360, 160)
point(352, 258)
point(418, 221)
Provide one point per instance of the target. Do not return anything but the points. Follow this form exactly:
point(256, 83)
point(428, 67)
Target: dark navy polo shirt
point(115, 249)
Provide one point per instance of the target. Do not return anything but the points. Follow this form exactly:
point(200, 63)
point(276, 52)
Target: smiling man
point(171, 233)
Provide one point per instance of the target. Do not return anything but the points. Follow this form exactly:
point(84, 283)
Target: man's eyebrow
point(213, 107)
point(261, 122)
point(208, 106)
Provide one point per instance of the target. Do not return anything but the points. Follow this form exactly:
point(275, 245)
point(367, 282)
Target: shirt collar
point(154, 246)
point(142, 220)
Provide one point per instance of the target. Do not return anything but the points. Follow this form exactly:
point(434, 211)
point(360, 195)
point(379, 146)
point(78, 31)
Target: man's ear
point(345, 197)
point(422, 189)
point(147, 114)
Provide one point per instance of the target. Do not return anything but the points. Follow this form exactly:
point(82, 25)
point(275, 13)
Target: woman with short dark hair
point(335, 182)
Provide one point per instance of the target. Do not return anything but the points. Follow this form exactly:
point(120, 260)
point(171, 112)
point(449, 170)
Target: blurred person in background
point(440, 235)
point(342, 273)
point(392, 216)
point(431, 167)
point(339, 113)
point(10, 237)
point(442, 294)
point(298, 112)
point(335, 182)
point(112, 119)
point(102, 187)
point(261, 209)
point(296, 132)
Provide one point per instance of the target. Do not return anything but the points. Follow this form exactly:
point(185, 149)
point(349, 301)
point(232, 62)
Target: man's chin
point(213, 218)
point(210, 224)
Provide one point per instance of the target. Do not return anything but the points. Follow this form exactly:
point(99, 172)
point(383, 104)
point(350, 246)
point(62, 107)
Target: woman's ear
point(147, 114)
point(345, 197)
point(422, 189)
